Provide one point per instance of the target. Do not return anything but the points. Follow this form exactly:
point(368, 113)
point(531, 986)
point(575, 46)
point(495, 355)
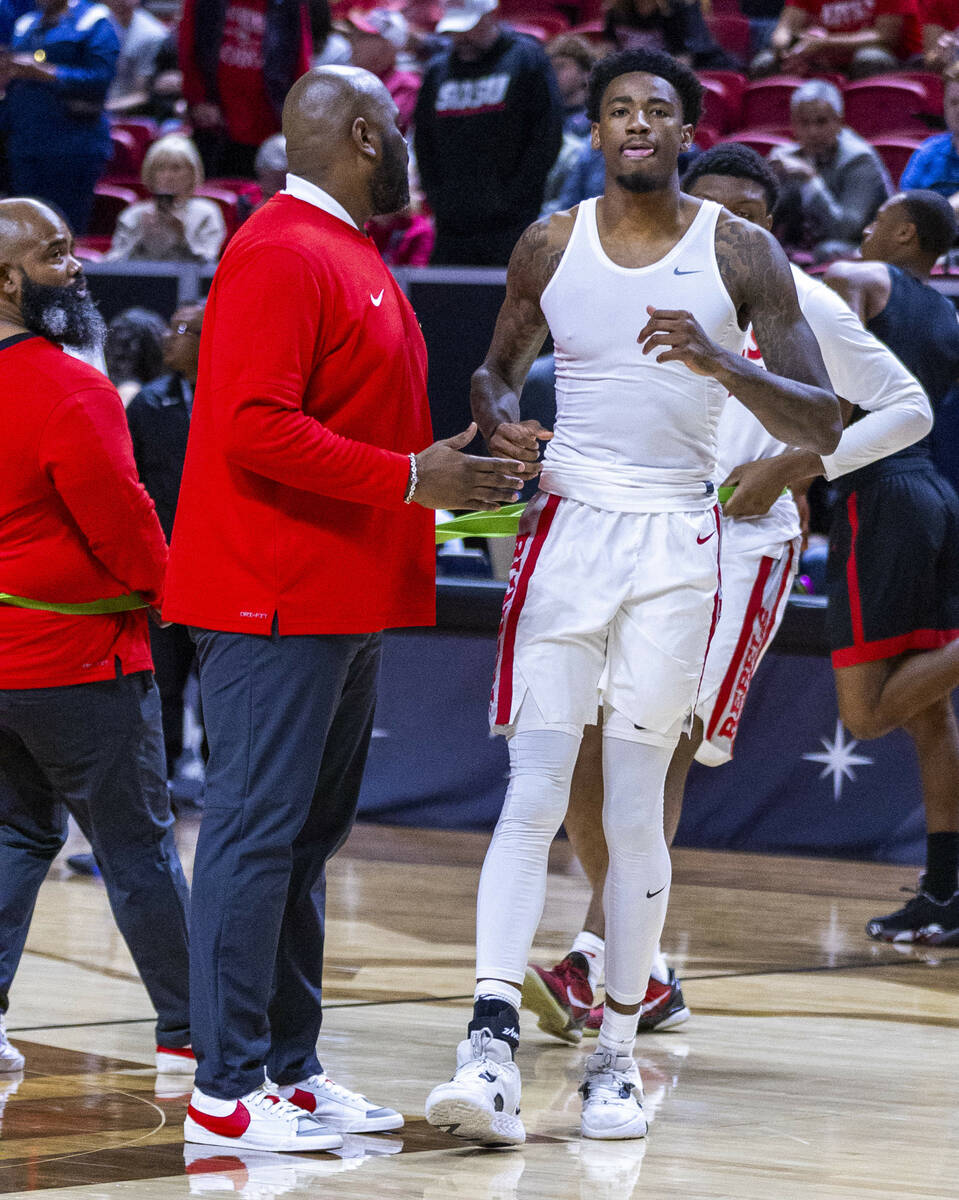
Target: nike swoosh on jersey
point(698, 271)
point(650, 895)
point(377, 300)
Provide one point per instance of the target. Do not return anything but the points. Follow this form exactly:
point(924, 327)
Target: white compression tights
point(512, 887)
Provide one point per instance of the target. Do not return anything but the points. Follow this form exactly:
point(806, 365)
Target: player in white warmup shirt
point(760, 546)
point(614, 587)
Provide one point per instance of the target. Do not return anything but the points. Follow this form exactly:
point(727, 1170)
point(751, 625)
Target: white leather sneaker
point(612, 1092)
point(260, 1120)
point(171, 1061)
point(481, 1101)
point(11, 1060)
point(338, 1107)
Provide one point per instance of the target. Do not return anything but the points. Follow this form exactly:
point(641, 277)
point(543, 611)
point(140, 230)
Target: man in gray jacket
point(834, 181)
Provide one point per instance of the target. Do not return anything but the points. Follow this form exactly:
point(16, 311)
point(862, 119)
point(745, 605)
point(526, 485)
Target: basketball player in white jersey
point(760, 546)
point(614, 586)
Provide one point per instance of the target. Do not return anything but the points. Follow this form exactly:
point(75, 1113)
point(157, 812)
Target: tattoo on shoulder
point(538, 254)
point(751, 262)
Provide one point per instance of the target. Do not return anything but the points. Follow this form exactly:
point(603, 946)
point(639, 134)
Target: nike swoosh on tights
point(650, 895)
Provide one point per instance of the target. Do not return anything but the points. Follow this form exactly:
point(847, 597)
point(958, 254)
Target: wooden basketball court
point(817, 1064)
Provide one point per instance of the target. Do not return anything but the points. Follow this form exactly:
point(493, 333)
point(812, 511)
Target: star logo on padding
point(839, 759)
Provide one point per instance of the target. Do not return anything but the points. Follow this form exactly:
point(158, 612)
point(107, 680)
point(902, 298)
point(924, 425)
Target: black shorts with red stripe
point(893, 570)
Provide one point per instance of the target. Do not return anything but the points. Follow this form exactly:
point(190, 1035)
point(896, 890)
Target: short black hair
point(649, 62)
point(935, 222)
point(739, 162)
point(134, 346)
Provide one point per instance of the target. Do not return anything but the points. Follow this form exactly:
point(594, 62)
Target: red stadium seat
point(735, 84)
point(541, 17)
point(719, 110)
point(126, 157)
point(732, 33)
point(766, 102)
point(90, 249)
point(706, 137)
point(108, 202)
point(592, 31)
point(934, 85)
point(144, 130)
point(895, 152)
point(227, 203)
point(761, 140)
point(885, 106)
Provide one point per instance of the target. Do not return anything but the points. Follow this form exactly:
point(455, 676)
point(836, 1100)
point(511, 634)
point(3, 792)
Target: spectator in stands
point(134, 350)
point(940, 39)
point(165, 102)
point(935, 165)
point(860, 38)
point(572, 58)
point(239, 59)
point(488, 127)
point(173, 224)
point(159, 420)
point(376, 38)
point(676, 26)
point(60, 64)
point(763, 17)
point(834, 181)
point(270, 165)
point(141, 36)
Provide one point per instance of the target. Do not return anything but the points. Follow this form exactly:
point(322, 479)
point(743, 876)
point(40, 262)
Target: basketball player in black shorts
point(893, 569)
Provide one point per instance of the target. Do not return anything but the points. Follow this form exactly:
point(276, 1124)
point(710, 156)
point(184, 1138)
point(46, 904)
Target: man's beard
point(62, 313)
point(639, 183)
point(390, 187)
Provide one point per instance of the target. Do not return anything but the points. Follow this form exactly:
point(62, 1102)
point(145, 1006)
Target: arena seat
point(735, 83)
point(126, 157)
point(895, 152)
point(933, 84)
point(592, 31)
point(719, 109)
point(143, 130)
point(227, 204)
point(108, 202)
point(885, 106)
point(732, 33)
point(547, 21)
point(761, 140)
point(766, 102)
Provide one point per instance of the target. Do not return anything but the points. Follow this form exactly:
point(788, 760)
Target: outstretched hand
point(448, 478)
point(520, 439)
point(684, 338)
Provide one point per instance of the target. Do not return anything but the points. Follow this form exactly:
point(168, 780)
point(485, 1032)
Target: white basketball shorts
point(756, 586)
point(611, 608)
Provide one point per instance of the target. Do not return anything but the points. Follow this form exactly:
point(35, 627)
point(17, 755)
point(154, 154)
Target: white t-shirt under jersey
point(631, 434)
point(863, 371)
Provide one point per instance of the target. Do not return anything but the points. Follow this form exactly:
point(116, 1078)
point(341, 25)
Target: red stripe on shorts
point(852, 573)
point(749, 620)
point(513, 606)
point(717, 598)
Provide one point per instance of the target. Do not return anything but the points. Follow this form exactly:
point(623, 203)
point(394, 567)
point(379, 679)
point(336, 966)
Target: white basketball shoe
point(481, 1101)
point(337, 1106)
point(259, 1120)
point(612, 1092)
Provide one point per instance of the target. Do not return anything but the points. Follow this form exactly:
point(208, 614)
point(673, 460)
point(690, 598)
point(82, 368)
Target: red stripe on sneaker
point(235, 1125)
point(512, 607)
point(177, 1052)
point(303, 1099)
point(745, 633)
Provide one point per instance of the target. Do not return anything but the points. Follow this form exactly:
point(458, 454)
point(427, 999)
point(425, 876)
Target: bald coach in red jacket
point(303, 530)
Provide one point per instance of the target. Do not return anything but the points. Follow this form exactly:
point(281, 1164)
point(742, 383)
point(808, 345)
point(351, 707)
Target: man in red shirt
point(79, 712)
point(859, 37)
point(302, 531)
point(239, 59)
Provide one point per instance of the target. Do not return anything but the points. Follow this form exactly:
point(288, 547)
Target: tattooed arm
point(517, 339)
point(793, 398)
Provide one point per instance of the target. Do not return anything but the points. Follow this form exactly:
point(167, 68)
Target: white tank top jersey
point(631, 434)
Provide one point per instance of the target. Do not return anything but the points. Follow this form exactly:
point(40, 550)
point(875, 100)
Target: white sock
point(496, 989)
point(659, 971)
point(618, 1032)
point(593, 949)
point(210, 1105)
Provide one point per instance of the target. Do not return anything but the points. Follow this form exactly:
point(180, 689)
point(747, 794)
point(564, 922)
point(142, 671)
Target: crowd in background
point(155, 129)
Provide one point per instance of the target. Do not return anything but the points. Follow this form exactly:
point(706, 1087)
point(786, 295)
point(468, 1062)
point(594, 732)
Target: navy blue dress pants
point(96, 750)
point(288, 720)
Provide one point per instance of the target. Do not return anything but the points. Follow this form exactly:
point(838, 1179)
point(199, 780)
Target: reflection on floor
point(817, 1064)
